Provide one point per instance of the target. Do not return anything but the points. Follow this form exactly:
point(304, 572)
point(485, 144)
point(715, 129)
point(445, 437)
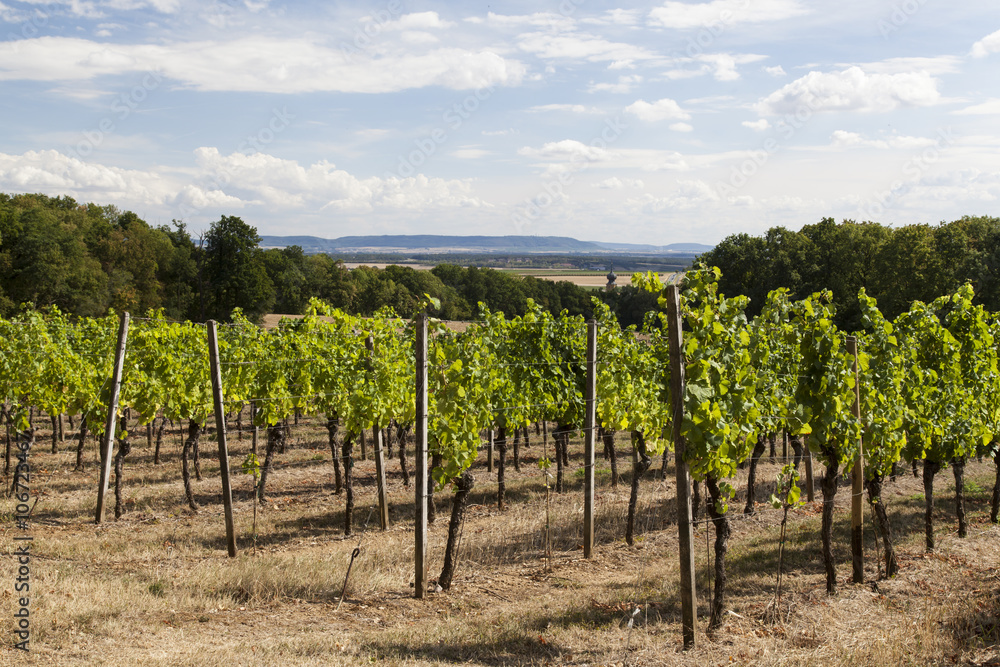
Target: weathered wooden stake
point(489, 450)
point(377, 441)
point(220, 434)
point(858, 479)
point(589, 433)
point(684, 524)
point(420, 478)
point(109, 425)
point(810, 488)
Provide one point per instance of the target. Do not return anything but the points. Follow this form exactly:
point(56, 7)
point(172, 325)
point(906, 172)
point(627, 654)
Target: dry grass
point(156, 587)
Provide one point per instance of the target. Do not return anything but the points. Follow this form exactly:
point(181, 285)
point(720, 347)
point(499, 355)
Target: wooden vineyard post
point(420, 428)
point(489, 450)
point(220, 434)
point(255, 432)
point(109, 425)
point(858, 479)
point(810, 491)
point(383, 493)
point(589, 426)
point(684, 523)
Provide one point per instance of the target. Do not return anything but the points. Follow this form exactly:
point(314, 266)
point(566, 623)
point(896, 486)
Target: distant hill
point(464, 244)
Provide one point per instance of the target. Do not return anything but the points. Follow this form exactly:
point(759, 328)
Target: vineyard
point(595, 494)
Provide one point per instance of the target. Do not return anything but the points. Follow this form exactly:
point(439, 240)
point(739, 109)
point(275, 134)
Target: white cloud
point(852, 90)
point(625, 85)
point(549, 20)
point(107, 29)
point(615, 17)
point(52, 172)
point(721, 65)
point(567, 150)
point(681, 127)
point(689, 194)
point(580, 46)
point(418, 21)
point(777, 70)
point(931, 65)
point(282, 183)
point(573, 108)
point(615, 183)
point(757, 125)
point(499, 133)
point(845, 139)
point(665, 109)
point(989, 107)
point(685, 15)
point(258, 179)
point(258, 64)
point(987, 45)
point(470, 153)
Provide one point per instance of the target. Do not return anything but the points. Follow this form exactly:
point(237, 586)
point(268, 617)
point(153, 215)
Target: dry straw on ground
point(156, 588)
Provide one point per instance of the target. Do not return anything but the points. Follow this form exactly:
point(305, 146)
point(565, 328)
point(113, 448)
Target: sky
point(660, 122)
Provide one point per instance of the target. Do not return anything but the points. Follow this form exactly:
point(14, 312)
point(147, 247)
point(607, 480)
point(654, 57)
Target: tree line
point(88, 259)
point(895, 265)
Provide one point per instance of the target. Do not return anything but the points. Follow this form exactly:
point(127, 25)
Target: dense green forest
point(896, 265)
point(86, 259)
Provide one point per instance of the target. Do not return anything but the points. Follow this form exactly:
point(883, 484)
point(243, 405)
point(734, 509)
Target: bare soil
point(156, 587)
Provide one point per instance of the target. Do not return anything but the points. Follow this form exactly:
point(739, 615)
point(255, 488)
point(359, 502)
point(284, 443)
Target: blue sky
point(656, 122)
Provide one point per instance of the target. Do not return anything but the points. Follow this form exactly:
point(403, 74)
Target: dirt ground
point(156, 588)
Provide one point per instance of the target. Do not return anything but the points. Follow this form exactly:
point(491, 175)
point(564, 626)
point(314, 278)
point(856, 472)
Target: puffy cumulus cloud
point(757, 125)
point(197, 197)
point(987, 45)
point(418, 21)
point(722, 66)
point(681, 127)
point(687, 15)
point(259, 64)
point(689, 194)
point(845, 139)
point(776, 71)
point(567, 150)
point(52, 172)
point(237, 180)
point(280, 183)
point(665, 109)
point(852, 89)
